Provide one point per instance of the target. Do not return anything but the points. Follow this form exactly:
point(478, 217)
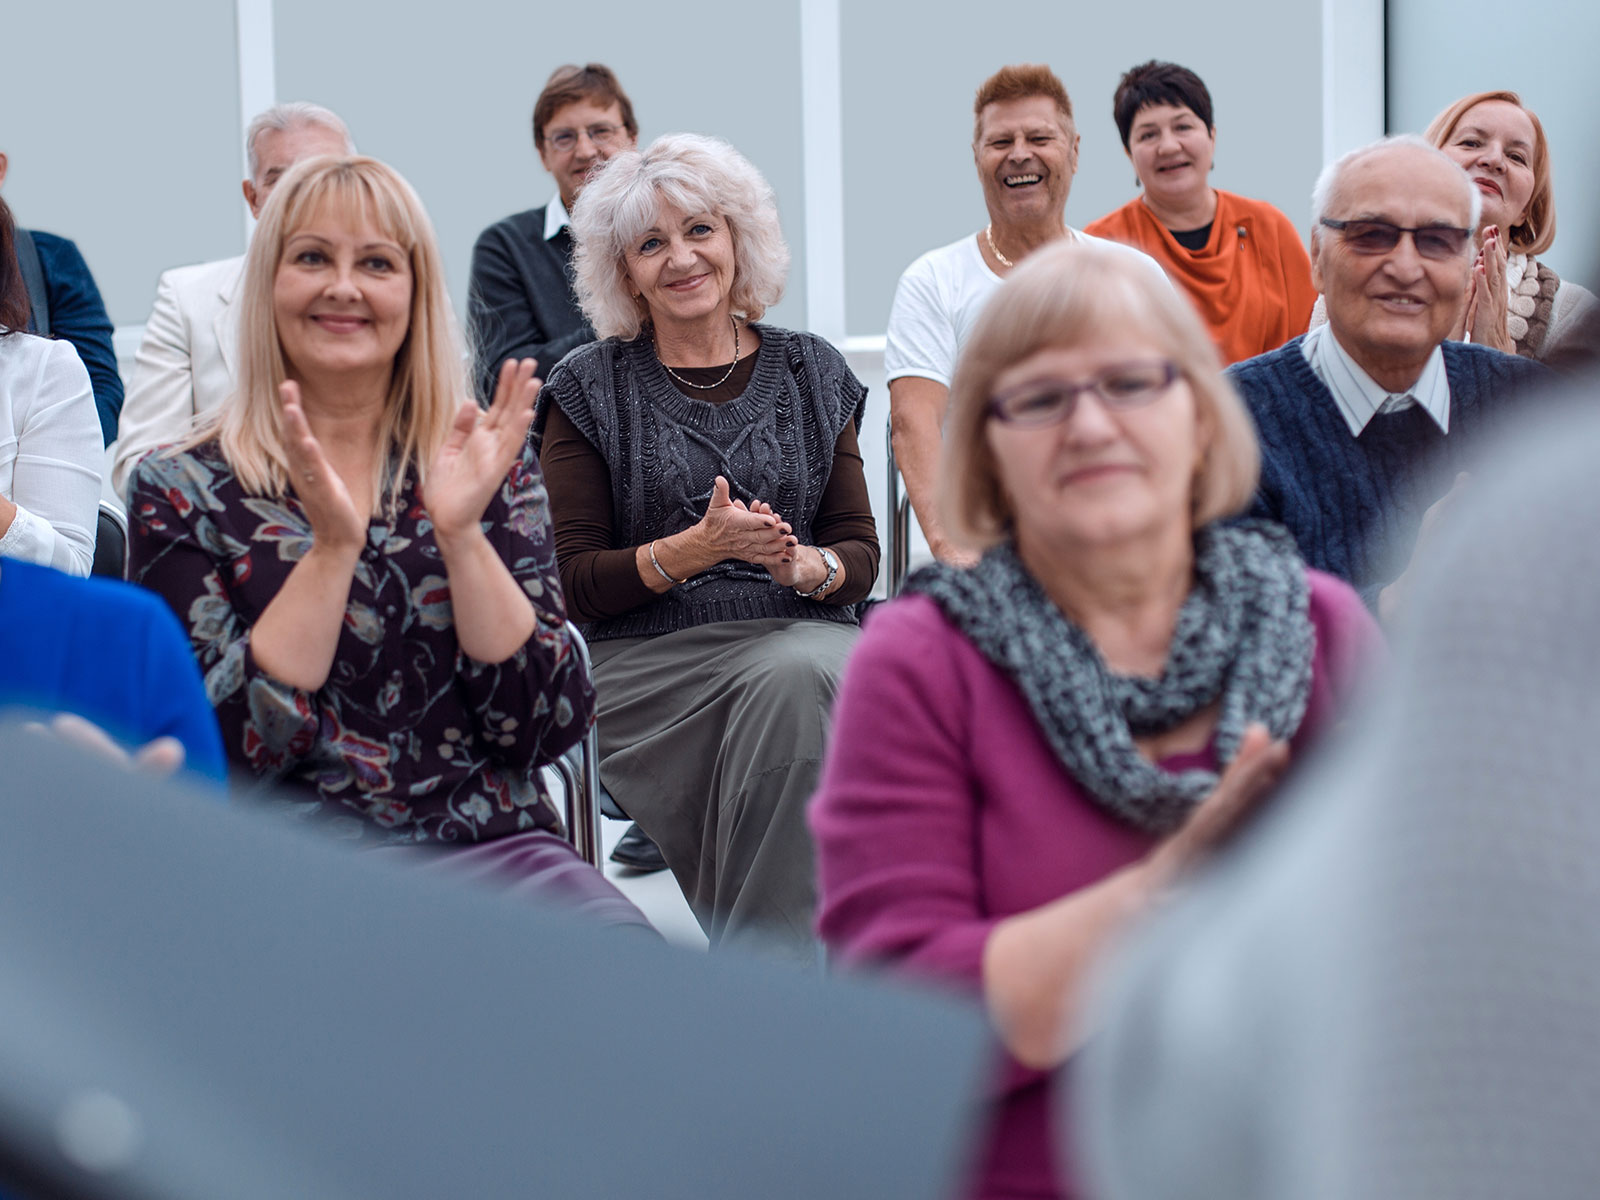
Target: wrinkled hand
point(336, 523)
point(158, 758)
point(791, 567)
point(1253, 773)
point(1392, 599)
point(479, 452)
point(730, 529)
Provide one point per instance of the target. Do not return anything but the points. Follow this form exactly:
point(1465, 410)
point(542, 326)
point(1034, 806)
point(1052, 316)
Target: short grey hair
point(694, 174)
point(1327, 182)
point(292, 115)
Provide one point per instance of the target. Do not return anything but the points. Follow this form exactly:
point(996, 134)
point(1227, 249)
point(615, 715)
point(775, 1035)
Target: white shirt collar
point(1360, 397)
point(555, 217)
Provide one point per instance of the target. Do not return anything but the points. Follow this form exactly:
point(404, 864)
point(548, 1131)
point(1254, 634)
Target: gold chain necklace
point(988, 233)
point(702, 387)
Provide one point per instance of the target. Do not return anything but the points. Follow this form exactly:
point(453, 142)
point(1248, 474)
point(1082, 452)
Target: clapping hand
point(794, 565)
point(1248, 779)
point(479, 452)
point(733, 529)
point(1487, 296)
point(336, 523)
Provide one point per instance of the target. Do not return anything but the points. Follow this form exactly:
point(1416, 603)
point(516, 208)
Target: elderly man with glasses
point(520, 299)
point(1369, 422)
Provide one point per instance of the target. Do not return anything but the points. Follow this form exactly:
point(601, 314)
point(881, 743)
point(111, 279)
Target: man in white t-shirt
point(1025, 146)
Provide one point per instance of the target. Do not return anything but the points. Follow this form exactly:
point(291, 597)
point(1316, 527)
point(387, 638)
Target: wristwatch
point(831, 561)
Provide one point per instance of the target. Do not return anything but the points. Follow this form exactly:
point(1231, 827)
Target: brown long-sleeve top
point(601, 580)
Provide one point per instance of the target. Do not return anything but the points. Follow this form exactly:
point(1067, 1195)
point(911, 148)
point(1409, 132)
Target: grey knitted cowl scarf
point(1243, 637)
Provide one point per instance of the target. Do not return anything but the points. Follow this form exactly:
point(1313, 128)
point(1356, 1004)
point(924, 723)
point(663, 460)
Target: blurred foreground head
point(1391, 988)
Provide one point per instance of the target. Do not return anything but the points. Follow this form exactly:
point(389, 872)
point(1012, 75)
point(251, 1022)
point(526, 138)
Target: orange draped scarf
point(1251, 283)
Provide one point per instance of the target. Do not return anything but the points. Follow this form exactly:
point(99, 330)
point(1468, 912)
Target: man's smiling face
point(1026, 153)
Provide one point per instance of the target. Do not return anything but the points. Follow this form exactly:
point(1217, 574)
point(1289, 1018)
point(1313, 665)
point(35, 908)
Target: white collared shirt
point(1360, 397)
point(555, 217)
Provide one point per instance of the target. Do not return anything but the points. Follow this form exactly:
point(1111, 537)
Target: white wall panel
point(121, 122)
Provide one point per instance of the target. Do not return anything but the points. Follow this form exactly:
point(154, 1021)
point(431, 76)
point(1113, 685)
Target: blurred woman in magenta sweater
point(1026, 753)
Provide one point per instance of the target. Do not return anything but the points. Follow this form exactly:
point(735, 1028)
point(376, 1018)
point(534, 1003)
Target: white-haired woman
point(712, 527)
point(363, 558)
point(1026, 752)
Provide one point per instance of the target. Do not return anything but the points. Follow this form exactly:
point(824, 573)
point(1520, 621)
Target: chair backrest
point(899, 520)
point(111, 542)
point(579, 770)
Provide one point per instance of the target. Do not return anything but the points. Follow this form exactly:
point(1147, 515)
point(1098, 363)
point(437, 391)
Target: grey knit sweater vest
point(664, 450)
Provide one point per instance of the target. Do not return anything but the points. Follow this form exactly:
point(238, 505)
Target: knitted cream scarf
point(1530, 303)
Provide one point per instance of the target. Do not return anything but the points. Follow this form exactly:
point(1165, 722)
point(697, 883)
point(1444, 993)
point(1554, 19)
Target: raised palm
point(475, 459)
point(335, 520)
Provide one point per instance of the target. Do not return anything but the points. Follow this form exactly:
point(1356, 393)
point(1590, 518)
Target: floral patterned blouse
point(409, 740)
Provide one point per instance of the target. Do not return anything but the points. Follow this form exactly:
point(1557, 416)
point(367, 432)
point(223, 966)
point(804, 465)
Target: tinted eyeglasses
point(1380, 237)
point(1049, 402)
point(600, 135)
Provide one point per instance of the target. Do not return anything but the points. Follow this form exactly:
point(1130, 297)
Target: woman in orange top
point(1240, 260)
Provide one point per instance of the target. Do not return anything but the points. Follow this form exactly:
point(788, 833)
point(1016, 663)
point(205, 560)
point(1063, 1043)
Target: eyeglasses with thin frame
point(1437, 242)
point(1042, 403)
point(601, 135)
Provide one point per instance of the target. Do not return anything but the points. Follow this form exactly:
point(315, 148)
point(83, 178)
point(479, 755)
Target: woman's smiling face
point(683, 266)
point(1494, 143)
point(1171, 149)
point(341, 296)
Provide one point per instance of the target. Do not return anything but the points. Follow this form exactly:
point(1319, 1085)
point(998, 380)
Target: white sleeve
point(1152, 265)
point(56, 476)
point(921, 336)
point(1145, 260)
point(160, 397)
point(1574, 306)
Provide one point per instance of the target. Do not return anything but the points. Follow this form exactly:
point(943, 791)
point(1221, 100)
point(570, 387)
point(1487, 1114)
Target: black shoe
point(638, 853)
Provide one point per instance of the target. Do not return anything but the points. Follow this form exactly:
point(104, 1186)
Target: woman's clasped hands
point(752, 533)
point(1487, 308)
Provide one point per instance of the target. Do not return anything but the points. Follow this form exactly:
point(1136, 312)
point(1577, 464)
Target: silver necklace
point(988, 233)
point(702, 387)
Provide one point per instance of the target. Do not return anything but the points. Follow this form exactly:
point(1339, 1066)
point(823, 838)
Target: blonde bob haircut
point(429, 383)
point(1537, 232)
point(693, 174)
point(1064, 295)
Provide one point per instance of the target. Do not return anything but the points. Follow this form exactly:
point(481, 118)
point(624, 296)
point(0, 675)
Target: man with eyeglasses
point(520, 300)
point(1368, 422)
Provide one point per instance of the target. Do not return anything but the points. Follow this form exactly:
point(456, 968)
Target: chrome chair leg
point(583, 793)
point(899, 547)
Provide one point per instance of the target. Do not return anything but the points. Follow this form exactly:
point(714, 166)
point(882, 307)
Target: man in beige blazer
point(187, 363)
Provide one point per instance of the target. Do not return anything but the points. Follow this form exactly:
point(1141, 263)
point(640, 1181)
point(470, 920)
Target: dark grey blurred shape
point(1390, 990)
point(196, 1001)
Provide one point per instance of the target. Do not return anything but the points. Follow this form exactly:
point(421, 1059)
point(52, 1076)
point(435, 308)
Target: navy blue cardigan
point(1355, 504)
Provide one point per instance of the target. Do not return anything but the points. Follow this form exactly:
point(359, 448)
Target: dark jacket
point(78, 315)
point(520, 302)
